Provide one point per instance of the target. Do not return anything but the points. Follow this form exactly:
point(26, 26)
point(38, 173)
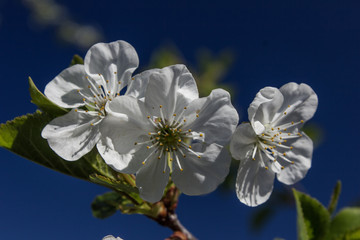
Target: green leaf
point(43, 102)
point(107, 204)
point(334, 197)
point(76, 60)
point(23, 137)
point(346, 224)
point(313, 219)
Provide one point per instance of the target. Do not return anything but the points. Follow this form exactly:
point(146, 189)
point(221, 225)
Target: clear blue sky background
point(316, 42)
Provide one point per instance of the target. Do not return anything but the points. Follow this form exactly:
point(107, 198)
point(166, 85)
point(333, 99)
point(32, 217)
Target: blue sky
point(275, 42)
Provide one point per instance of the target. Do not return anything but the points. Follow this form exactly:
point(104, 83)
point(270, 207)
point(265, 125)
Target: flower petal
point(266, 105)
point(115, 61)
point(137, 87)
point(151, 179)
point(123, 163)
point(71, 136)
point(302, 100)
point(213, 115)
point(63, 89)
point(242, 142)
point(173, 87)
point(202, 175)
point(301, 154)
point(254, 183)
point(119, 134)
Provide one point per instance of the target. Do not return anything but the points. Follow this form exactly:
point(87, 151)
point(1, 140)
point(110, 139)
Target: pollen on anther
point(174, 114)
point(148, 147)
point(201, 135)
point(292, 162)
point(78, 90)
point(292, 122)
point(107, 81)
point(84, 99)
point(184, 156)
point(272, 129)
point(302, 121)
point(179, 140)
point(288, 106)
point(190, 146)
point(185, 108)
point(189, 130)
point(199, 156)
point(184, 120)
point(148, 117)
point(160, 106)
point(76, 110)
point(284, 113)
point(135, 143)
point(149, 133)
point(291, 147)
point(133, 78)
point(282, 167)
point(115, 72)
point(197, 115)
point(284, 154)
point(181, 169)
point(99, 114)
point(91, 124)
point(143, 163)
point(266, 168)
point(253, 159)
point(158, 157)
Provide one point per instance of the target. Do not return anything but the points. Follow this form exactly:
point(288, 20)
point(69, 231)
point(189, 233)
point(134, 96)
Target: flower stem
point(167, 217)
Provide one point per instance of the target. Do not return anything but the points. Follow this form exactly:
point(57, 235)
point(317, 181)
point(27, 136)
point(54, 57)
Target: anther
point(284, 113)
point(282, 167)
point(284, 154)
point(199, 156)
point(197, 115)
point(76, 110)
point(179, 140)
point(174, 114)
point(291, 147)
point(132, 78)
point(184, 120)
point(190, 146)
point(292, 162)
point(189, 130)
point(119, 82)
point(266, 168)
point(160, 106)
point(135, 143)
point(302, 121)
point(253, 159)
point(91, 124)
point(201, 135)
point(107, 81)
point(115, 72)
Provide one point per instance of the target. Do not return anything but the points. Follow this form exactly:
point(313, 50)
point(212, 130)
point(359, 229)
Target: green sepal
point(43, 103)
point(346, 224)
point(313, 219)
point(334, 198)
point(76, 60)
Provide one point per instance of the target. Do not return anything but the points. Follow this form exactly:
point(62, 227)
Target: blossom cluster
point(155, 125)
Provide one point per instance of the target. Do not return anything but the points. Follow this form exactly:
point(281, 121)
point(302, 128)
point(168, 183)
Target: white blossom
point(272, 142)
point(86, 89)
point(111, 237)
point(170, 132)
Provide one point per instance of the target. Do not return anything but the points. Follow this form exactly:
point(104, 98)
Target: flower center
point(97, 94)
point(170, 140)
point(273, 142)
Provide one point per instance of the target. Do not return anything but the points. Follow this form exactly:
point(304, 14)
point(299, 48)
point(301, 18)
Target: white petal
point(110, 237)
point(71, 136)
point(258, 127)
point(302, 100)
point(217, 117)
point(151, 180)
point(63, 89)
point(254, 183)
point(123, 163)
point(109, 58)
point(301, 154)
point(130, 110)
point(242, 142)
point(173, 87)
point(136, 88)
point(119, 135)
point(265, 105)
point(202, 175)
